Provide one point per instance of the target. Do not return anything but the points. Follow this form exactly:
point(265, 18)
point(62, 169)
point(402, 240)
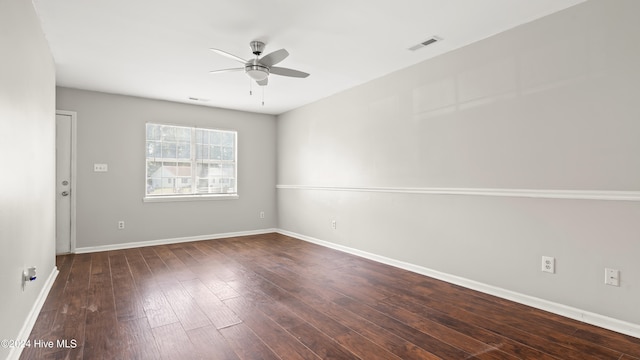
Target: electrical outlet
point(261, 214)
point(120, 224)
point(28, 275)
point(333, 224)
point(549, 264)
point(612, 277)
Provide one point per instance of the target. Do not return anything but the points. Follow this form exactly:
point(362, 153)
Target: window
point(190, 162)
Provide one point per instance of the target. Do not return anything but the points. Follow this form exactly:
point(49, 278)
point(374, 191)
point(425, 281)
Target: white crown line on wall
point(611, 195)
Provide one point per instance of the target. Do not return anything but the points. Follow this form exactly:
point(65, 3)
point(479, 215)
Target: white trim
point(529, 193)
point(74, 172)
point(30, 321)
point(91, 249)
point(606, 322)
point(170, 198)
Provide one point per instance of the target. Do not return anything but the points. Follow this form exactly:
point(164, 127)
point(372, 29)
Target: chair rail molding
point(610, 195)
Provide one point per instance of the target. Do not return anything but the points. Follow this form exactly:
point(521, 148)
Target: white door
point(63, 183)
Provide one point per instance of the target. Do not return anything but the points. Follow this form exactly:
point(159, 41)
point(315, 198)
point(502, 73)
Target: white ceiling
point(160, 48)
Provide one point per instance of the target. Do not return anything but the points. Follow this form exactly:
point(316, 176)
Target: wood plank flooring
point(274, 297)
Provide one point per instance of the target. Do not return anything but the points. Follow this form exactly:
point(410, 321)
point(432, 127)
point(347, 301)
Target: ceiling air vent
point(197, 99)
point(431, 40)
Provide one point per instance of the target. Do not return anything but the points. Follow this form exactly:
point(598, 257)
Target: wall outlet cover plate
point(549, 264)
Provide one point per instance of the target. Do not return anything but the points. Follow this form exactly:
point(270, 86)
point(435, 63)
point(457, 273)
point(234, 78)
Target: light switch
point(100, 168)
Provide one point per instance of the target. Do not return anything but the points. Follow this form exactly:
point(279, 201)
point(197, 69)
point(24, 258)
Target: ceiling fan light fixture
point(257, 72)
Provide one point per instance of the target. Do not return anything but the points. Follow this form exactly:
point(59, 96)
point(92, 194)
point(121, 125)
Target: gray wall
point(27, 127)
point(111, 130)
point(550, 105)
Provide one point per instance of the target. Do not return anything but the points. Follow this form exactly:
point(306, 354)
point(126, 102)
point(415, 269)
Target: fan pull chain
point(250, 88)
point(263, 96)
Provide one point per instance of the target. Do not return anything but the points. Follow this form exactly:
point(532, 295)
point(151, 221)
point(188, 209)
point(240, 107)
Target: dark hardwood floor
point(275, 297)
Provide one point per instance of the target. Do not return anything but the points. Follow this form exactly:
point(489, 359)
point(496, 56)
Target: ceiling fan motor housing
point(257, 47)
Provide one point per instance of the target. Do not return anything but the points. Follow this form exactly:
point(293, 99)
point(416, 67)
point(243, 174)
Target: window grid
point(187, 161)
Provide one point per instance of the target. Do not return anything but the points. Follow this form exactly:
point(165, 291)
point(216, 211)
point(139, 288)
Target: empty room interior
point(420, 179)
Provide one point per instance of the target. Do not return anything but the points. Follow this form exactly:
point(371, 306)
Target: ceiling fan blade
point(288, 72)
point(225, 70)
point(263, 82)
point(274, 57)
point(230, 56)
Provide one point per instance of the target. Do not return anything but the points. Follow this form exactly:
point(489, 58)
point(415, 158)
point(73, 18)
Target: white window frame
point(194, 163)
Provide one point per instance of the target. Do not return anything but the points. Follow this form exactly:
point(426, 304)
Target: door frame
point(74, 180)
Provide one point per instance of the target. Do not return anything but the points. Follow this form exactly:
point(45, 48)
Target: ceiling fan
point(259, 69)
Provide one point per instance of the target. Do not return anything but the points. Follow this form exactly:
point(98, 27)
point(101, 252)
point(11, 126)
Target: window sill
point(190, 198)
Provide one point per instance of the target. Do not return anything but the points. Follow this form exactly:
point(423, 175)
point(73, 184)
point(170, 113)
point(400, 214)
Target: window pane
point(169, 150)
point(184, 169)
point(229, 170)
point(215, 170)
point(167, 185)
point(184, 150)
point(215, 137)
point(183, 185)
point(154, 174)
point(228, 139)
point(202, 170)
point(168, 133)
point(208, 180)
point(231, 186)
point(202, 151)
point(216, 152)
point(202, 136)
point(183, 134)
point(203, 185)
point(169, 169)
point(153, 149)
point(153, 132)
point(227, 153)
point(153, 169)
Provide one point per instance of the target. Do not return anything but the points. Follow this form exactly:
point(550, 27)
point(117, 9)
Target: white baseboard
point(90, 249)
point(606, 322)
point(30, 321)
